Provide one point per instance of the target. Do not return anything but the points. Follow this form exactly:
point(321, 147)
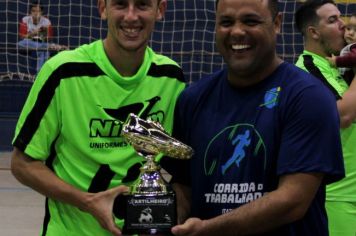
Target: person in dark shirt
point(265, 136)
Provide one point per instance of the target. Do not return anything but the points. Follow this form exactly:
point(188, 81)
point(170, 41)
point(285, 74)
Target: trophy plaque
point(151, 203)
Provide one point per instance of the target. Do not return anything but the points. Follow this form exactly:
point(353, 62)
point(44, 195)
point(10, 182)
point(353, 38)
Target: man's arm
point(347, 106)
point(288, 203)
point(39, 177)
point(22, 30)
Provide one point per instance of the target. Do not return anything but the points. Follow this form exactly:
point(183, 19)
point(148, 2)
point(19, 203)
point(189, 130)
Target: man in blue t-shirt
point(265, 136)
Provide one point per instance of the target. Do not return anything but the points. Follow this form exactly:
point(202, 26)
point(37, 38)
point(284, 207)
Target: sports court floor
point(21, 209)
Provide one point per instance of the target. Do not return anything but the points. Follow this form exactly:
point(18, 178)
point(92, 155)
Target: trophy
point(151, 203)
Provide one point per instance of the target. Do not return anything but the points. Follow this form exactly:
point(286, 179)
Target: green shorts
point(342, 218)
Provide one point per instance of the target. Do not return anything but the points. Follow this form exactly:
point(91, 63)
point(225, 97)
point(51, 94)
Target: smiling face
point(246, 34)
point(131, 22)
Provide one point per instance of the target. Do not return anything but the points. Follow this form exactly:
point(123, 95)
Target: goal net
point(186, 34)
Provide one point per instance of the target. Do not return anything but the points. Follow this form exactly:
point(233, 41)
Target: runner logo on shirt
point(231, 146)
point(241, 141)
point(229, 159)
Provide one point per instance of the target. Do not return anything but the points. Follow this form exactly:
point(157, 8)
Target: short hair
point(35, 4)
point(306, 14)
point(158, 1)
point(272, 5)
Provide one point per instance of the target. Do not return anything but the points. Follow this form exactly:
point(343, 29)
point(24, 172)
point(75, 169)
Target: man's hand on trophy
point(191, 227)
point(100, 205)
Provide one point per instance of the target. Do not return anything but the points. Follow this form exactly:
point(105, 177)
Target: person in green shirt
point(322, 28)
point(67, 143)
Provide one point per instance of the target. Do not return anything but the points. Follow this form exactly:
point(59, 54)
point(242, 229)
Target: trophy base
point(150, 214)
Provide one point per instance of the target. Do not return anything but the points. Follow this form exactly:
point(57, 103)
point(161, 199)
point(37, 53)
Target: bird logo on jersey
point(113, 127)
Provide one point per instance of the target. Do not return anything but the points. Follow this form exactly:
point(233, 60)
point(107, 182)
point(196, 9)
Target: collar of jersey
point(104, 63)
point(318, 60)
point(324, 65)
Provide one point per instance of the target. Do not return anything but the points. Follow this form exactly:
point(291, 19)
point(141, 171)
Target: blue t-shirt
point(244, 139)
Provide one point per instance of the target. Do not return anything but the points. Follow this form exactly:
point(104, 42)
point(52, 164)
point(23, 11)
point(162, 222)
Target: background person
point(256, 129)
point(67, 143)
point(323, 30)
point(347, 59)
point(35, 32)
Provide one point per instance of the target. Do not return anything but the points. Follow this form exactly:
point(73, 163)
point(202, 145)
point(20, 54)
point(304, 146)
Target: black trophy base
point(150, 214)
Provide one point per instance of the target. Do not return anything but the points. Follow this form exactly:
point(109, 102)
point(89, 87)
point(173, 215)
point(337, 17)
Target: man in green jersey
point(67, 142)
point(322, 28)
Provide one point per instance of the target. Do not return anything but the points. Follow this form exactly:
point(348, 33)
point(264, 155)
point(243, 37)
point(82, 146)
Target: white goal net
point(186, 34)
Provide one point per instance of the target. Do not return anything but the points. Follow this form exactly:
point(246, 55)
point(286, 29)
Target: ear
point(162, 6)
point(313, 32)
point(102, 9)
point(278, 23)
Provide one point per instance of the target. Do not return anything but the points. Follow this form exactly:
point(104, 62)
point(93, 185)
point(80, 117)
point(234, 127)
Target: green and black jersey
point(345, 189)
point(73, 117)
point(316, 64)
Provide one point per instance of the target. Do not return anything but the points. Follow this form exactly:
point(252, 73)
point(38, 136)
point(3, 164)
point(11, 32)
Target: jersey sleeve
point(311, 135)
point(23, 29)
point(39, 123)
point(348, 60)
